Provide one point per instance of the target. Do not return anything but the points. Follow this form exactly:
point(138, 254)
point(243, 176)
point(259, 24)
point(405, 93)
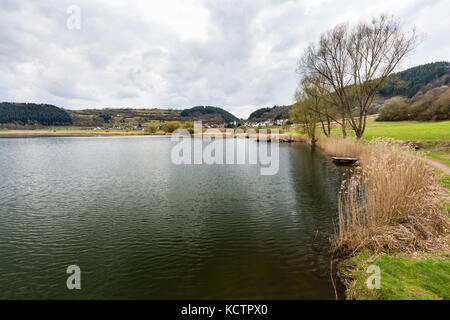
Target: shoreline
point(283, 137)
point(73, 133)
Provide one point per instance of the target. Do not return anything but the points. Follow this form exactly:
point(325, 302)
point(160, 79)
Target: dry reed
point(390, 202)
point(339, 147)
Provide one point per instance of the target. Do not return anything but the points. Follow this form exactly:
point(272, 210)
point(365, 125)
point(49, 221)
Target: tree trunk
point(358, 134)
point(344, 132)
point(313, 132)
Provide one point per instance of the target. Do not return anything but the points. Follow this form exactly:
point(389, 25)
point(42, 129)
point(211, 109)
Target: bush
point(433, 105)
point(171, 126)
point(394, 109)
point(189, 126)
point(152, 127)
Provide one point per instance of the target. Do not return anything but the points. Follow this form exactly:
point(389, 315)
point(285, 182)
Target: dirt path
point(437, 164)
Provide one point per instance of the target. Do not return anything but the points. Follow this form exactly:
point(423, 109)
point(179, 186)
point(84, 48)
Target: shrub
point(433, 105)
point(189, 126)
point(243, 128)
point(394, 109)
point(152, 127)
point(171, 126)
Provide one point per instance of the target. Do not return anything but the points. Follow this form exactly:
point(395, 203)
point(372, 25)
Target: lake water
point(141, 227)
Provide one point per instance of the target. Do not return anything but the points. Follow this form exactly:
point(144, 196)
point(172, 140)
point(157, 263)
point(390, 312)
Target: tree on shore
point(352, 64)
point(308, 109)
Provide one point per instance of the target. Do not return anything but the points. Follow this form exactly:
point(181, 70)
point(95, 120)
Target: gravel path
point(437, 164)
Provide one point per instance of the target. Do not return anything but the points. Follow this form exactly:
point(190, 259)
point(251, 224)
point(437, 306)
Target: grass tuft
point(401, 277)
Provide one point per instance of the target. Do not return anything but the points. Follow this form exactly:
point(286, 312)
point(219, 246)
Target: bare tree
point(310, 109)
point(353, 64)
point(312, 89)
point(304, 112)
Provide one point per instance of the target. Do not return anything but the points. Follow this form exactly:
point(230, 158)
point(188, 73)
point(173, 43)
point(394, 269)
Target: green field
point(402, 277)
point(403, 130)
point(399, 130)
point(434, 137)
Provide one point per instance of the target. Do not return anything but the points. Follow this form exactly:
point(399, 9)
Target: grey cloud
point(70, 91)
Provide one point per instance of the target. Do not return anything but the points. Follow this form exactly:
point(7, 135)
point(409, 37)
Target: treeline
point(31, 113)
point(226, 116)
point(409, 82)
point(430, 106)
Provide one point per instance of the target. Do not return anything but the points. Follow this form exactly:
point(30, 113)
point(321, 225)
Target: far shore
point(75, 133)
point(283, 137)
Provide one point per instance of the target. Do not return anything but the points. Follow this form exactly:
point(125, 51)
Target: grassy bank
point(436, 150)
point(401, 130)
point(432, 137)
point(402, 277)
point(393, 202)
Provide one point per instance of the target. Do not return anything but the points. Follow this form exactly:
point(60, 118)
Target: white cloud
point(240, 55)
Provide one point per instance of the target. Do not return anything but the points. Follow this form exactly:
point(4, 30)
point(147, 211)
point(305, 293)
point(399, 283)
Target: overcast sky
point(239, 55)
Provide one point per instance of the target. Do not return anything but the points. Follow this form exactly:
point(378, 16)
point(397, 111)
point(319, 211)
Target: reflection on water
point(140, 227)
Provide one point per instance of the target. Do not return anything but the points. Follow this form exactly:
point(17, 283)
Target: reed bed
point(339, 147)
point(391, 201)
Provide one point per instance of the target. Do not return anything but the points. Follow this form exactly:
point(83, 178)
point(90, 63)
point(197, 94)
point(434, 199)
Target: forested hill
point(274, 113)
point(31, 113)
point(208, 110)
point(99, 117)
point(409, 82)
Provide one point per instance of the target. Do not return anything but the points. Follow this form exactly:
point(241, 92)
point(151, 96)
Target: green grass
point(402, 130)
point(399, 130)
point(444, 180)
point(401, 277)
point(441, 156)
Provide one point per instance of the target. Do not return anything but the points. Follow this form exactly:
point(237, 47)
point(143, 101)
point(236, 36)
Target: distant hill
point(31, 114)
point(274, 113)
point(409, 82)
point(208, 113)
point(98, 117)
